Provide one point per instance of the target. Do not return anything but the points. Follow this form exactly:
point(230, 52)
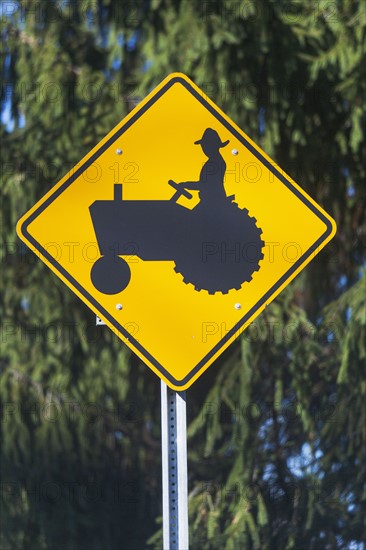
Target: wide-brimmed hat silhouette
point(211, 137)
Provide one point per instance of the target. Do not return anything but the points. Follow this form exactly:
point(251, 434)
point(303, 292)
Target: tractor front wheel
point(110, 274)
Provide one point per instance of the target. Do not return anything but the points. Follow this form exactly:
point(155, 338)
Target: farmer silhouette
point(211, 183)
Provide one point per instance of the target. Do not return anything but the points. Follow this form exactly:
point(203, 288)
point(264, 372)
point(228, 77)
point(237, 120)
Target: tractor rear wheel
point(222, 256)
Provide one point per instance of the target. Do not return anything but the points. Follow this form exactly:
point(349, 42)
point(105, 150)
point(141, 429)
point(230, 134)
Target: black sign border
point(264, 300)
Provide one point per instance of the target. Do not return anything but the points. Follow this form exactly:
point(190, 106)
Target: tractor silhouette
point(216, 246)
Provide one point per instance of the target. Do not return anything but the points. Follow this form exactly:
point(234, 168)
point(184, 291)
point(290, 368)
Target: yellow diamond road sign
point(177, 230)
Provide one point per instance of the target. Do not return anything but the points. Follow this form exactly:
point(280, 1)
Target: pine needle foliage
point(277, 428)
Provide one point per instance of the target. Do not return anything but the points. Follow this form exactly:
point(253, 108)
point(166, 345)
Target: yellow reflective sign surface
point(176, 230)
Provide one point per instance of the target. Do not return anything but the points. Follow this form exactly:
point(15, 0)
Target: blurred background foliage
point(277, 427)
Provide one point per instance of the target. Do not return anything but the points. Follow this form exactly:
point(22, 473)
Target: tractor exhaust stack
point(118, 191)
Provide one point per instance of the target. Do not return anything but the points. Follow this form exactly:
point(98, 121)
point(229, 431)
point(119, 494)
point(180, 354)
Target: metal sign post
point(174, 468)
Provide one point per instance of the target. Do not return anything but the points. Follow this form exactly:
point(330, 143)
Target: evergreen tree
point(277, 439)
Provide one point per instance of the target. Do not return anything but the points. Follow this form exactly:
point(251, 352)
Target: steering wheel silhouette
point(179, 190)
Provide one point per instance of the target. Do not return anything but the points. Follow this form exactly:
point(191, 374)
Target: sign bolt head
point(119, 307)
point(119, 151)
point(235, 152)
point(237, 306)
